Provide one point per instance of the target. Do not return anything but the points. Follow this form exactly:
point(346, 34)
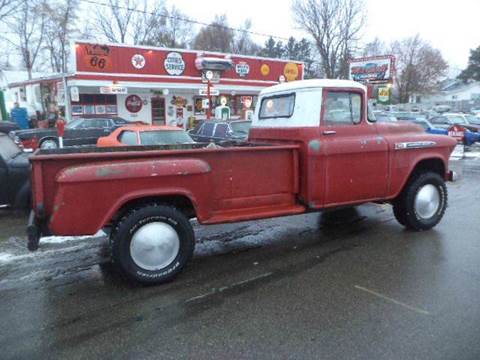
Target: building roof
point(313, 83)
point(14, 76)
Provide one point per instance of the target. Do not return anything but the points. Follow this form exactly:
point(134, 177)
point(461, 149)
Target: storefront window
point(95, 104)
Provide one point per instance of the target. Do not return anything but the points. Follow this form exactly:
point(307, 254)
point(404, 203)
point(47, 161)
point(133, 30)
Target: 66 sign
point(457, 132)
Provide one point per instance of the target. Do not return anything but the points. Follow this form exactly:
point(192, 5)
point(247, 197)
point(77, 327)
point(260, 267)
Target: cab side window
point(128, 138)
point(342, 108)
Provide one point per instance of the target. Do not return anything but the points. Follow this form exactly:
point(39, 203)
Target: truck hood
point(400, 127)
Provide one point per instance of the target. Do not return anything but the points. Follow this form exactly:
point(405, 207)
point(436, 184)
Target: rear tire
point(152, 244)
point(422, 203)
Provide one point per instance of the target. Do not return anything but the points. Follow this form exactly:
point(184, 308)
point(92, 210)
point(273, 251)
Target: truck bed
point(78, 191)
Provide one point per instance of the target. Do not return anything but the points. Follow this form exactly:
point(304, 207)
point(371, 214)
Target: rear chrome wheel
point(152, 244)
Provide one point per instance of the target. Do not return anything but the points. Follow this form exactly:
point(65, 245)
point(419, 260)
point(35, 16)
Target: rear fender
point(78, 209)
point(123, 202)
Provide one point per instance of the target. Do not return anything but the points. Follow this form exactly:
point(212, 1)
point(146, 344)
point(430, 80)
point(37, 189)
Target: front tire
point(152, 244)
point(422, 203)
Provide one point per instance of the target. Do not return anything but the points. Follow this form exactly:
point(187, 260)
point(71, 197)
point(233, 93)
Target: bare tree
point(218, 36)
point(335, 27)
point(127, 21)
point(419, 67)
point(243, 43)
point(28, 28)
point(167, 27)
point(8, 7)
point(375, 47)
point(59, 28)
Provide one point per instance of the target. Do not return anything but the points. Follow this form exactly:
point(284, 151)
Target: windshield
point(423, 124)
point(457, 119)
point(74, 124)
point(472, 119)
point(8, 149)
point(162, 137)
point(241, 128)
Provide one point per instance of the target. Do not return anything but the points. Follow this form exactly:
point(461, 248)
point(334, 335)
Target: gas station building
point(155, 85)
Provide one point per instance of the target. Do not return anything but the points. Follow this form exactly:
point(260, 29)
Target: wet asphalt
point(348, 285)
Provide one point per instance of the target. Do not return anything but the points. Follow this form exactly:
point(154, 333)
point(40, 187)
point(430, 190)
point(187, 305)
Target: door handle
point(329, 132)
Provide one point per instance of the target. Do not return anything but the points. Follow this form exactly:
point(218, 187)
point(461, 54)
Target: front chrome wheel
point(427, 201)
point(154, 246)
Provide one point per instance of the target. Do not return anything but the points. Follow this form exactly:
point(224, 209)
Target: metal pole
point(209, 110)
point(68, 116)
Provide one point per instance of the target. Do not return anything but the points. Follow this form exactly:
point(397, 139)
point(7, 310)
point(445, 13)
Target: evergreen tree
point(472, 72)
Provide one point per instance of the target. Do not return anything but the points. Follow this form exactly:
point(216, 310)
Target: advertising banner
point(378, 69)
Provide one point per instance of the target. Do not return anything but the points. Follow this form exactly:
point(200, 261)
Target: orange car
point(145, 135)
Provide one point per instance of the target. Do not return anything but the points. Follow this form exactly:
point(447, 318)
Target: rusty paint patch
point(107, 171)
point(314, 145)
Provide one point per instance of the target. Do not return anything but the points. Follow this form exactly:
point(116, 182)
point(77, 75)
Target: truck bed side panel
point(80, 195)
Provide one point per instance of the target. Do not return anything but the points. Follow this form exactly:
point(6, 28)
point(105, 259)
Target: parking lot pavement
point(353, 284)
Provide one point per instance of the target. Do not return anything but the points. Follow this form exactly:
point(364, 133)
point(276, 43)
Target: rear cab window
point(279, 106)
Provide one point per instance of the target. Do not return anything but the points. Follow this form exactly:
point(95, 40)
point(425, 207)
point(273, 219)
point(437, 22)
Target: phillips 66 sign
point(378, 69)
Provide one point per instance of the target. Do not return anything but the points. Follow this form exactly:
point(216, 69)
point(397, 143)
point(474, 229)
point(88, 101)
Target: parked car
point(385, 117)
point(447, 120)
point(444, 125)
point(301, 156)
point(77, 132)
point(218, 131)
point(7, 126)
point(474, 119)
point(145, 135)
point(403, 115)
point(15, 187)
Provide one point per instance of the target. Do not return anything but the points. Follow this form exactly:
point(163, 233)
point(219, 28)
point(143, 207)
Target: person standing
point(20, 116)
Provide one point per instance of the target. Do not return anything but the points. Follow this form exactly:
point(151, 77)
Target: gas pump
point(222, 111)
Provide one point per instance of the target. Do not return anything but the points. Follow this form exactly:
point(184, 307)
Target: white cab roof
point(312, 83)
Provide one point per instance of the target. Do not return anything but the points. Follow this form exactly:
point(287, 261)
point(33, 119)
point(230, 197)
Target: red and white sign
point(138, 61)
point(457, 132)
point(242, 69)
point(133, 103)
point(174, 64)
point(113, 90)
point(204, 92)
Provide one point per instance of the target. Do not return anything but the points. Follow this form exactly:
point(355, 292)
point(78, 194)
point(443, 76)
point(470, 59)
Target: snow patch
point(63, 239)
point(6, 257)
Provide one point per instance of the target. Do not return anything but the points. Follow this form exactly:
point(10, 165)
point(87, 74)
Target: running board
point(254, 214)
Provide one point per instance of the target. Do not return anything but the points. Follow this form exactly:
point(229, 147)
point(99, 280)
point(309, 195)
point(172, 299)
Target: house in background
point(27, 96)
point(454, 94)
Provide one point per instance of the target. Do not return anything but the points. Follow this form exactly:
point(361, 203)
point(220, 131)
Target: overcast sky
point(451, 26)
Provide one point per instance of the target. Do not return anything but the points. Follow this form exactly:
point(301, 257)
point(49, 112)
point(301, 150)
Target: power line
point(197, 22)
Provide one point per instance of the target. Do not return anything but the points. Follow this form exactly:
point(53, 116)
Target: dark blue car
point(470, 136)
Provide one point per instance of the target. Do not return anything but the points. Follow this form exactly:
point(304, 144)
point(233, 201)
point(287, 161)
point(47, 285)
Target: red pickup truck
point(313, 145)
